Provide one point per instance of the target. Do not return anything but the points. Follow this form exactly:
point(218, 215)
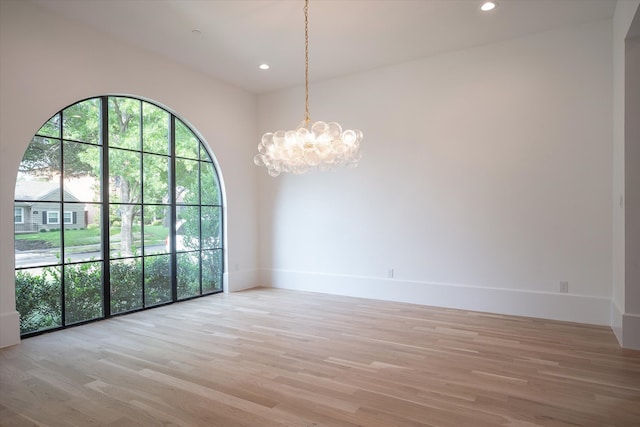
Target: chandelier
point(312, 145)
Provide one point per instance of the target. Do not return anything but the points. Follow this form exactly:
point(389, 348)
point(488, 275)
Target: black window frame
point(105, 203)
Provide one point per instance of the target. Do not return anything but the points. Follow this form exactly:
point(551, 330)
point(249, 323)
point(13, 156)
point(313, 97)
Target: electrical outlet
point(564, 286)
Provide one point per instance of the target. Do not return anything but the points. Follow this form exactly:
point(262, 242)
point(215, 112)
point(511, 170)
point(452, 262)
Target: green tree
point(79, 122)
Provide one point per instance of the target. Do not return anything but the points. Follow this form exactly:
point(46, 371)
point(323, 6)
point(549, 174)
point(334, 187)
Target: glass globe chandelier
point(312, 145)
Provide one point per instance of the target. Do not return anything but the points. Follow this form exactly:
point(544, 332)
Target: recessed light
point(488, 5)
point(264, 66)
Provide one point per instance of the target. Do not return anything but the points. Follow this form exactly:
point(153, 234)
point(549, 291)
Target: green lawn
point(154, 234)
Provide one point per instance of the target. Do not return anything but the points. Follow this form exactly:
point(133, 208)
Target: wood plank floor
point(269, 357)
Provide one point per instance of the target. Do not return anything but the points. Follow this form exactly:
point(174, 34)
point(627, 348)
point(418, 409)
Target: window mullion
point(172, 208)
point(142, 174)
point(104, 211)
point(63, 303)
point(200, 252)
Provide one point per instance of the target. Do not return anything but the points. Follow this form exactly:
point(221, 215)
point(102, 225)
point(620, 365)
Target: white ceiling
point(346, 36)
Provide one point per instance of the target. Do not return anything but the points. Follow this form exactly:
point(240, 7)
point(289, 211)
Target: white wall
point(49, 62)
point(621, 22)
point(632, 186)
point(625, 306)
point(486, 180)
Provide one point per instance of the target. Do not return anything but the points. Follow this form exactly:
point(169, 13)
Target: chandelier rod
point(307, 117)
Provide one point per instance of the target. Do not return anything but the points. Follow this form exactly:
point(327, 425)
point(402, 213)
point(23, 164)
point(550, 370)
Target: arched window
point(117, 208)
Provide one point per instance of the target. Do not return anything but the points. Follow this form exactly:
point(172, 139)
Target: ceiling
point(346, 36)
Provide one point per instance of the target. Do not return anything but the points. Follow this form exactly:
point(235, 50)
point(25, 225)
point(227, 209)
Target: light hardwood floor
point(269, 357)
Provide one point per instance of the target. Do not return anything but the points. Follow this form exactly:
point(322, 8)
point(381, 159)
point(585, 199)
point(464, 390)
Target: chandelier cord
point(307, 117)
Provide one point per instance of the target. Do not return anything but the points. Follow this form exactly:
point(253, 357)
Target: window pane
point(124, 230)
point(124, 176)
point(211, 235)
point(39, 299)
point(155, 129)
point(187, 185)
point(81, 164)
point(186, 142)
point(126, 285)
point(34, 197)
point(82, 237)
point(81, 121)
point(155, 230)
point(37, 242)
point(124, 123)
point(204, 155)
point(41, 161)
point(211, 271)
point(188, 275)
point(157, 280)
point(82, 292)
point(209, 185)
point(51, 128)
point(188, 228)
point(156, 179)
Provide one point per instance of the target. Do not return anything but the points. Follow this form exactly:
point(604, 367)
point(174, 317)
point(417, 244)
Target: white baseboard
point(556, 306)
point(616, 321)
point(567, 307)
point(9, 329)
point(631, 331)
point(626, 327)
